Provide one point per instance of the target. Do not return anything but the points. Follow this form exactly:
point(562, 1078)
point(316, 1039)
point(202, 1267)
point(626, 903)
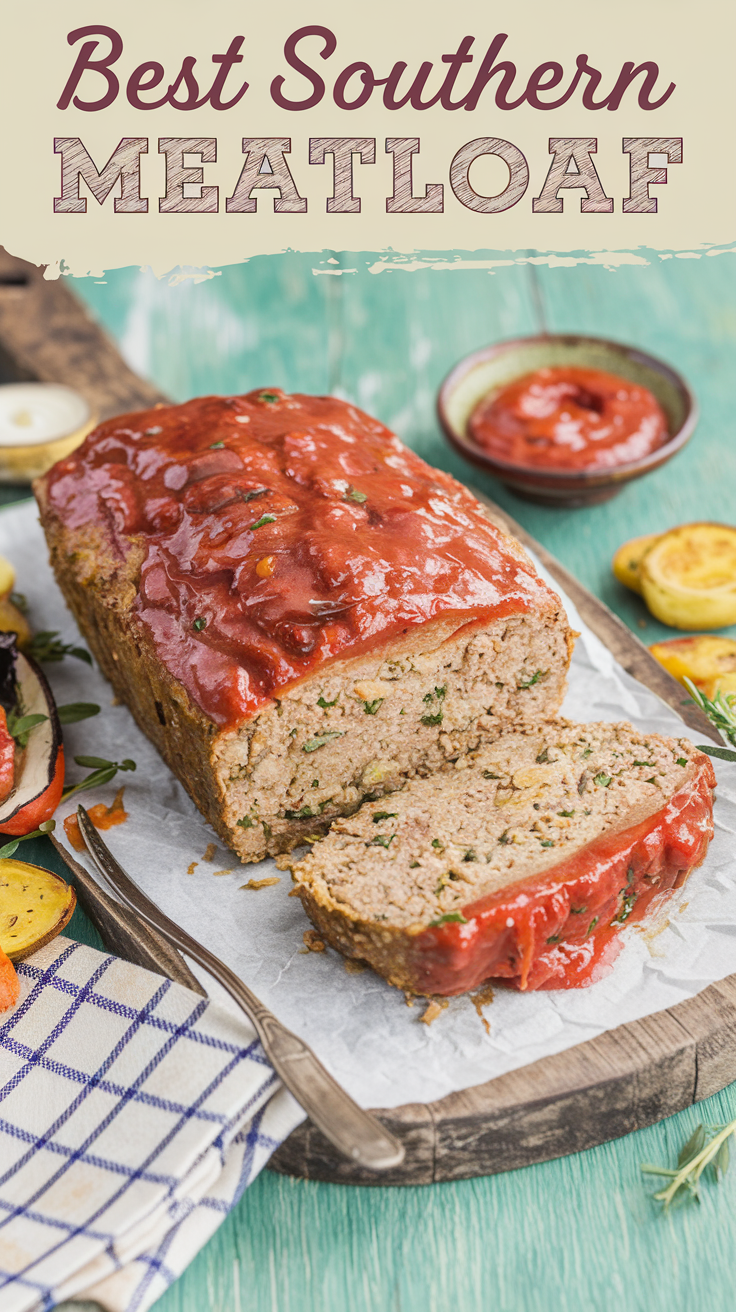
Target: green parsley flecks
point(320, 740)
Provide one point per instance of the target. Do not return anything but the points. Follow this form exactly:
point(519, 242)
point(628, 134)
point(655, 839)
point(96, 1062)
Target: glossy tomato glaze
point(569, 418)
point(279, 533)
point(560, 929)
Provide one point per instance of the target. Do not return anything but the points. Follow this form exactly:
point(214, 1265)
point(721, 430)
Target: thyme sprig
point(44, 828)
point(721, 711)
point(707, 1146)
point(102, 772)
point(20, 726)
point(46, 645)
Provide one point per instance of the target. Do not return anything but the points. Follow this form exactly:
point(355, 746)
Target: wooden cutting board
point(625, 1079)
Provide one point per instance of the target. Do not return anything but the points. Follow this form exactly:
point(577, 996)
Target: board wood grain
point(627, 1078)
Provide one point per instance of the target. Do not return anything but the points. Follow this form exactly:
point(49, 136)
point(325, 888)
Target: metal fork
point(354, 1132)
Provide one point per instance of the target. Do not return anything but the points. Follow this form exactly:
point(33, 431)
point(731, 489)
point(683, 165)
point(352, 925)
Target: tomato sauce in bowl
point(569, 418)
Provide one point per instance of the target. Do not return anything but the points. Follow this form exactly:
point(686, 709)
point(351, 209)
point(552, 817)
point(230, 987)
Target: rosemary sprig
point(102, 772)
point(721, 711)
point(44, 828)
point(46, 645)
point(707, 1146)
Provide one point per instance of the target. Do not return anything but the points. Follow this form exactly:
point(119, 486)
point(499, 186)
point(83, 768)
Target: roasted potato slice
point(688, 576)
point(627, 560)
point(13, 620)
point(7, 578)
point(708, 661)
point(35, 905)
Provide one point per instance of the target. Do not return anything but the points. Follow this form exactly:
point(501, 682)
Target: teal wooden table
point(566, 1236)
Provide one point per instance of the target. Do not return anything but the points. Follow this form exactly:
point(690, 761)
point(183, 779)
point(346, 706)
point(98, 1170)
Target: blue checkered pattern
point(133, 1114)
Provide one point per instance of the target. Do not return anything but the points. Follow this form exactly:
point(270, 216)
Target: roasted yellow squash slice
point(12, 620)
point(7, 577)
point(627, 560)
point(688, 576)
point(708, 661)
point(35, 905)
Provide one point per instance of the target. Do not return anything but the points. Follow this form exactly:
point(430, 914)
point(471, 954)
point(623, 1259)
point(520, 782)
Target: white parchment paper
point(360, 1027)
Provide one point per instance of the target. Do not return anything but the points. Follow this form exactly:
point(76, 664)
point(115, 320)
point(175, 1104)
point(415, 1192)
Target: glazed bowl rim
point(551, 476)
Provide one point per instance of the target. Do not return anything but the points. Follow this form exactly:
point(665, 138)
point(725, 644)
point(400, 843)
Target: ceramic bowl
point(495, 366)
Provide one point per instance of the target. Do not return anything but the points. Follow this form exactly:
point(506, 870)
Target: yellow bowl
point(40, 423)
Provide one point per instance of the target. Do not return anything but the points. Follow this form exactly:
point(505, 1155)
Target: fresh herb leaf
point(440, 692)
point(504, 837)
point(577, 911)
point(588, 752)
point(592, 925)
point(265, 519)
point(432, 719)
point(325, 705)
point(706, 1147)
point(44, 828)
point(352, 494)
point(553, 938)
point(216, 446)
point(436, 843)
point(304, 814)
point(682, 760)
point(627, 907)
point(268, 396)
point(488, 774)
point(384, 815)
point(721, 712)
point(537, 675)
point(102, 772)
point(46, 646)
point(413, 865)
point(199, 624)
point(723, 753)
point(247, 822)
point(543, 757)
point(546, 842)
point(320, 740)
point(74, 711)
point(381, 840)
point(20, 726)
point(567, 814)
point(450, 918)
point(370, 708)
point(694, 1145)
point(602, 779)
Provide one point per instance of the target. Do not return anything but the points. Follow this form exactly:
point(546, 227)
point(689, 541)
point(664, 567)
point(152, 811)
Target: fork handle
point(356, 1133)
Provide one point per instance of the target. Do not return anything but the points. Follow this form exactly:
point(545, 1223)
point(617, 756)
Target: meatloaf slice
point(522, 860)
point(299, 612)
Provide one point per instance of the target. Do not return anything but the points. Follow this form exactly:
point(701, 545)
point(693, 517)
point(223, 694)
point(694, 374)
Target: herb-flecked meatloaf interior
point(299, 611)
point(521, 860)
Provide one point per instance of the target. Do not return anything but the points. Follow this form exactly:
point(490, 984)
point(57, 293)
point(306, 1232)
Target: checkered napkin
point(133, 1114)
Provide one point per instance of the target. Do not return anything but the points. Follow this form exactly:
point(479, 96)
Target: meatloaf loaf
point(521, 861)
point(299, 612)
